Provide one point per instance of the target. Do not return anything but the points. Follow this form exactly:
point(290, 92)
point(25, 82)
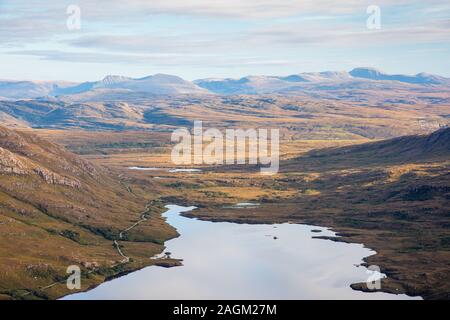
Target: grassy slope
point(59, 210)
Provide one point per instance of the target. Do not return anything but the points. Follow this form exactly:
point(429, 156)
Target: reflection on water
point(243, 205)
point(238, 261)
point(184, 170)
point(143, 168)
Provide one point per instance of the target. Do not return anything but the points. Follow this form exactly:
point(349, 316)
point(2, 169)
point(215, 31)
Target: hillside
point(393, 196)
point(340, 114)
point(357, 78)
point(402, 150)
point(120, 87)
point(59, 210)
point(157, 84)
point(12, 90)
point(420, 78)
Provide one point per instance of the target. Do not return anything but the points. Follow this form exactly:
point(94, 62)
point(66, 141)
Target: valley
point(390, 195)
point(363, 153)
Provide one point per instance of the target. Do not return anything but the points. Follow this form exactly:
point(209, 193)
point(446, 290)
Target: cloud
point(26, 21)
point(265, 39)
point(168, 60)
point(154, 43)
point(96, 57)
point(351, 35)
point(249, 9)
point(219, 33)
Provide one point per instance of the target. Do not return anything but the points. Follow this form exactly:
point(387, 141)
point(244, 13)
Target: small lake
point(240, 261)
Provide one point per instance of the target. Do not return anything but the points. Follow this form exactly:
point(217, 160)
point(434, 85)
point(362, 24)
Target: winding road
point(116, 243)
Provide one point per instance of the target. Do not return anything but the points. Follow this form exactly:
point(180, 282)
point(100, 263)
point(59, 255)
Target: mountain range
point(357, 78)
point(162, 84)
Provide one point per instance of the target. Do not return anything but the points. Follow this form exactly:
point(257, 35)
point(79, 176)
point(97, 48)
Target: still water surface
point(240, 261)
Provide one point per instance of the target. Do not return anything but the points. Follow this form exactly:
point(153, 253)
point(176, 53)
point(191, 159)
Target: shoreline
point(165, 263)
point(162, 263)
point(341, 236)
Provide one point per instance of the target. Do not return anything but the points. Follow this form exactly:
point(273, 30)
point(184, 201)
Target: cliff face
point(14, 164)
point(23, 153)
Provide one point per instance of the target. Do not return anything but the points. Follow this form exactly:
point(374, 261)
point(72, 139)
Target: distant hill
point(117, 87)
point(329, 80)
point(156, 84)
point(159, 84)
point(362, 113)
point(13, 90)
point(59, 114)
point(406, 149)
point(267, 84)
point(436, 144)
point(421, 78)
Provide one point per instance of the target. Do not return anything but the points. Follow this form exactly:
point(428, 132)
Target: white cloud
point(215, 33)
point(253, 8)
point(26, 21)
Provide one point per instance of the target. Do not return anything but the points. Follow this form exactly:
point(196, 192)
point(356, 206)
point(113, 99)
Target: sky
point(40, 39)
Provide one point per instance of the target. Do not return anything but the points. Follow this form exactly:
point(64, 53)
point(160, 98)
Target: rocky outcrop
point(87, 168)
point(53, 178)
point(13, 164)
point(26, 155)
point(9, 163)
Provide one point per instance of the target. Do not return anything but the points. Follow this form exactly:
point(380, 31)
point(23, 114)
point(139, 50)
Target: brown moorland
point(392, 195)
point(59, 210)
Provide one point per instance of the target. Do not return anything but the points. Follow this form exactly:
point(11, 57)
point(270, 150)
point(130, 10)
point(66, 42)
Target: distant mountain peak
point(163, 84)
point(366, 72)
point(420, 78)
point(112, 79)
point(165, 78)
point(153, 84)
